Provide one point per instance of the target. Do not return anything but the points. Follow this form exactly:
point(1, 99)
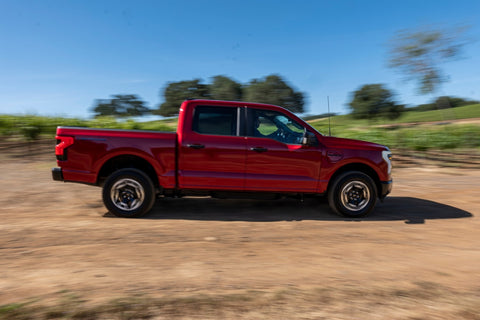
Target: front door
point(276, 158)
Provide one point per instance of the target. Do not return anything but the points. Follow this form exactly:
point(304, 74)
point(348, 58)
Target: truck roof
point(231, 103)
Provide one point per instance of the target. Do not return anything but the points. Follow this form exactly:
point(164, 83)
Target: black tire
point(128, 193)
point(352, 194)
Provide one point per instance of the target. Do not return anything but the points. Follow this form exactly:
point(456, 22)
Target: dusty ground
point(416, 257)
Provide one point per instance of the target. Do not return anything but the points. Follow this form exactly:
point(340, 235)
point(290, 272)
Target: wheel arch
point(361, 167)
point(127, 161)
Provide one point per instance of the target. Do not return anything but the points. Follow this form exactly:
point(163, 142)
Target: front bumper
point(386, 188)
point(57, 174)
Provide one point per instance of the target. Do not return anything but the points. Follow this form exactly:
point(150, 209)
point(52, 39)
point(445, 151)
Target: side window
point(264, 126)
point(215, 120)
point(276, 126)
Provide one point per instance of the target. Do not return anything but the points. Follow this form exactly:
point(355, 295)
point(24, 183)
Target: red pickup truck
point(224, 149)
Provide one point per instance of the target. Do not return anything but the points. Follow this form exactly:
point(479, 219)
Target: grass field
point(347, 121)
point(412, 130)
point(466, 112)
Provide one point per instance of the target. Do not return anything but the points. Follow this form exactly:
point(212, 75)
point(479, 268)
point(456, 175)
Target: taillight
point(62, 144)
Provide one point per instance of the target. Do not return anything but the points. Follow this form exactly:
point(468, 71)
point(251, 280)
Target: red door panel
point(276, 166)
point(219, 164)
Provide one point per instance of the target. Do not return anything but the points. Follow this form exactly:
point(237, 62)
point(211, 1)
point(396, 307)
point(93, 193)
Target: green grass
point(347, 121)
point(466, 112)
point(420, 138)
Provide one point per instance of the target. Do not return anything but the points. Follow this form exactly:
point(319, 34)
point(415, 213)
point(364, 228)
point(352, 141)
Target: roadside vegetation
point(32, 127)
point(413, 130)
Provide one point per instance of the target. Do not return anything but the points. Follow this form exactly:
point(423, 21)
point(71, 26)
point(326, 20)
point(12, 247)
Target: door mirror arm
point(308, 138)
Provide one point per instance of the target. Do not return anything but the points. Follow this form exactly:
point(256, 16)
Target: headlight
point(387, 156)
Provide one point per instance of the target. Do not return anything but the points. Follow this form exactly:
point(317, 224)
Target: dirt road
point(416, 256)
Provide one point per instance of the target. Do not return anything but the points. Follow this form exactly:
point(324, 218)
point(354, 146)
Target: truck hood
point(334, 142)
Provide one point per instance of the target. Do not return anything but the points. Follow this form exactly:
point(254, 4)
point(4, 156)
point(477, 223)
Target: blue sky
point(57, 57)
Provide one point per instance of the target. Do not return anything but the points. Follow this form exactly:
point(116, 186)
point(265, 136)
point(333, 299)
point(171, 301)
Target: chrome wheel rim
point(355, 196)
point(127, 194)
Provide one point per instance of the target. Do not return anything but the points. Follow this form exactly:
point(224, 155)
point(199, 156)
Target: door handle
point(196, 146)
point(259, 149)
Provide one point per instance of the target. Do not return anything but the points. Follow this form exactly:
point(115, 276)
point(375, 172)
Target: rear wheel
point(352, 194)
point(128, 193)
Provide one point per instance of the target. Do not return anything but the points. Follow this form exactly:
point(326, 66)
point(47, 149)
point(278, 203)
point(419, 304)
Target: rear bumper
point(57, 174)
point(386, 188)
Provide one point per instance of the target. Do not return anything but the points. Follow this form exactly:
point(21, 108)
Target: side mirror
point(309, 139)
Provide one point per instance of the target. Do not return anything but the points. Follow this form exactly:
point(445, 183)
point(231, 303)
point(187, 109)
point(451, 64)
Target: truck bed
point(94, 147)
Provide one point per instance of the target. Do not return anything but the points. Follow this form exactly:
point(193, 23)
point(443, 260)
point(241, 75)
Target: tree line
point(272, 89)
point(370, 101)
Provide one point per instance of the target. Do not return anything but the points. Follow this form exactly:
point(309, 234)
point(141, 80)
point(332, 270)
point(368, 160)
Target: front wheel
point(352, 194)
point(128, 193)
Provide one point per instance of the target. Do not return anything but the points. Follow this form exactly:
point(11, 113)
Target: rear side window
point(215, 120)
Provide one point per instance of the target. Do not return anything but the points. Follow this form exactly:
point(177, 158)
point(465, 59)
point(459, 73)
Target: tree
point(372, 101)
point(274, 90)
point(122, 105)
point(419, 53)
point(224, 88)
point(176, 92)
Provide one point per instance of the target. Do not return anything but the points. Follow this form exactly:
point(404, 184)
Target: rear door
point(212, 153)
point(276, 158)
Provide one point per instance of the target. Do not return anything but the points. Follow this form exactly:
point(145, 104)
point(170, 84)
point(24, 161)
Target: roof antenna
point(328, 103)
